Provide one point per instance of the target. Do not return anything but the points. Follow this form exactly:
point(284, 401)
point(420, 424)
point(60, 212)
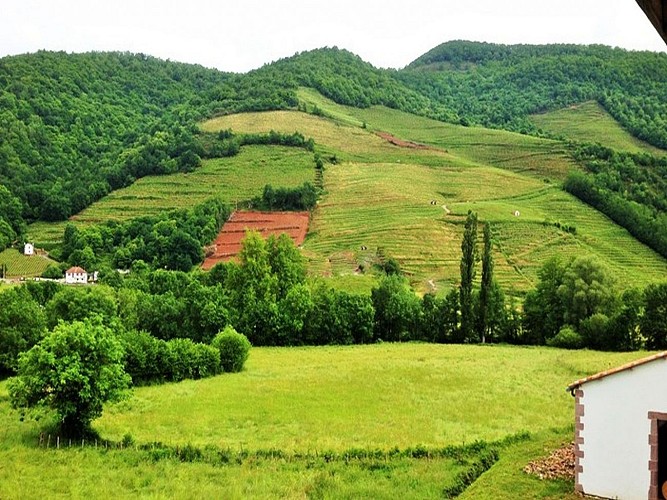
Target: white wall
point(76, 278)
point(616, 430)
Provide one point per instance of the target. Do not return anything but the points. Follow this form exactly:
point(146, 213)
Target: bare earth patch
point(558, 465)
point(228, 243)
point(392, 139)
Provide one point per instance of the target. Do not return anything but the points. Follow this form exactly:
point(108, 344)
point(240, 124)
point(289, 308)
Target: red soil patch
point(392, 139)
point(228, 243)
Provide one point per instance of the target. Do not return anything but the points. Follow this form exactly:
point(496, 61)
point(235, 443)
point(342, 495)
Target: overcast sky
point(245, 34)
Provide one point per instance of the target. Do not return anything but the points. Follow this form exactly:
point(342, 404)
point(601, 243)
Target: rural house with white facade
point(621, 431)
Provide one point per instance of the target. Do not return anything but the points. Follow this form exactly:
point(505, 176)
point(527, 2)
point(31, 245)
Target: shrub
point(144, 357)
point(207, 361)
point(234, 348)
point(52, 272)
point(182, 353)
point(566, 338)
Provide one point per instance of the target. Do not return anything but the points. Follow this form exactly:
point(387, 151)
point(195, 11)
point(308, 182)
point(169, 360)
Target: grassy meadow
point(307, 404)
point(590, 122)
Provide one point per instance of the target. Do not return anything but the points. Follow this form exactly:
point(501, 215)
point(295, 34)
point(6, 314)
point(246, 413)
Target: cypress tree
point(468, 257)
point(487, 283)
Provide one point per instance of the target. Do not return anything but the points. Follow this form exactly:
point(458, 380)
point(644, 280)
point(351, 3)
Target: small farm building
point(29, 249)
point(621, 431)
point(76, 275)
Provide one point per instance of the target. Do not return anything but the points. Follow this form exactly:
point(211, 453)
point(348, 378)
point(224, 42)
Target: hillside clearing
point(590, 122)
point(19, 265)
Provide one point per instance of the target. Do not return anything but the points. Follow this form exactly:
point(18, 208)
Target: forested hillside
point(74, 127)
point(499, 85)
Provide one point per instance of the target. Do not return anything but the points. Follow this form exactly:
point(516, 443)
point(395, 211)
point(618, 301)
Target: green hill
point(502, 85)
point(379, 195)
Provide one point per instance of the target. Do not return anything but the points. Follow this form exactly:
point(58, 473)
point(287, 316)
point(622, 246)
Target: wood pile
point(558, 465)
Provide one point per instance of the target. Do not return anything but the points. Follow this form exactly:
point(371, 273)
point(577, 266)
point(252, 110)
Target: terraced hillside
point(410, 201)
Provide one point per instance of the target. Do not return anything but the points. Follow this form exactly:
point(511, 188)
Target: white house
point(621, 431)
point(76, 275)
point(29, 249)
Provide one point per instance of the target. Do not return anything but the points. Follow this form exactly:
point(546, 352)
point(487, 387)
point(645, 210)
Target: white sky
point(245, 34)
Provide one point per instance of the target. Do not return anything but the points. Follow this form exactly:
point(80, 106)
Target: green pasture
point(312, 403)
point(347, 142)
point(590, 122)
point(19, 265)
point(523, 154)
point(234, 179)
point(527, 155)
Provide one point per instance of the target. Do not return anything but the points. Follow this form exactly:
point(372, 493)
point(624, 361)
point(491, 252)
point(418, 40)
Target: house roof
point(622, 368)
point(75, 270)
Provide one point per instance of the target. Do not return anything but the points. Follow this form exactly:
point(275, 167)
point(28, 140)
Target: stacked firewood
point(558, 465)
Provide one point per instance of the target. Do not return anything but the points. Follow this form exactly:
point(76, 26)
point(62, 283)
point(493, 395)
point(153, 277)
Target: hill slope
point(501, 85)
point(410, 200)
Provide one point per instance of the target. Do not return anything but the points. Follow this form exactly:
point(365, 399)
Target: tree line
point(267, 296)
point(156, 325)
point(628, 188)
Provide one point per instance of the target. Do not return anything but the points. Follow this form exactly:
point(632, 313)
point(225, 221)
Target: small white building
point(29, 249)
point(76, 275)
point(621, 430)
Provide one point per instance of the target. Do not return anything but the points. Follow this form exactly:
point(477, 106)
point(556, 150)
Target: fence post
point(48, 442)
point(58, 442)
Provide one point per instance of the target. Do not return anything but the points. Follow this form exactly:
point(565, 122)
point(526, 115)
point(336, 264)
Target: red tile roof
point(75, 270)
point(627, 366)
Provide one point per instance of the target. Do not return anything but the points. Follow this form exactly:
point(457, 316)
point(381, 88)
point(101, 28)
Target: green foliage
point(150, 360)
point(654, 320)
point(397, 310)
point(485, 288)
point(99, 121)
point(233, 348)
point(566, 338)
point(22, 325)
point(629, 189)
point(468, 262)
point(339, 317)
point(72, 371)
point(53, 272)
point(76, 304)
point(440, 317)
point(170, 240)
point(303, 197)
point(500, 85)
point(580, 293)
